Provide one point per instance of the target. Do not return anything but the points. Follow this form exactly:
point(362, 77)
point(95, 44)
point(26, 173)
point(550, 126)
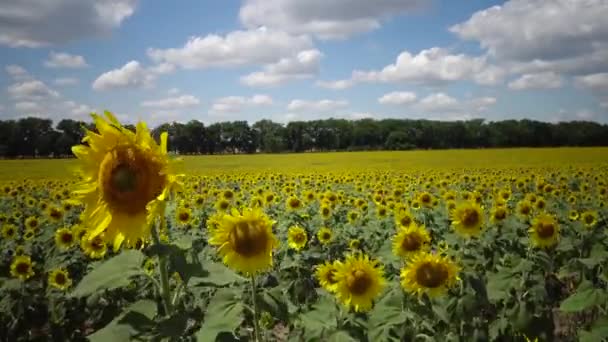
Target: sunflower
point(60, 279)
point(32, 222)
point(426, 199)
point(411, 240)
point(325, 211)
point(9, 231)
point(324, 235)
point(64, 238)
point(222, 204)
point(354, 244)
point(381, 211)
point(55, 213)
point(257, 202)
point(199, 200)
point(28, 234)
point(404, 219)
point(149, 266)
point(589, 218)
point(326, 275)
point(573, 215)
point(293, 203)
point(245, 240)
point(297, 238)
point(498, 214)
point(22, 267)
point(79, 232)
point(127, 179)
point(352, 216)
point(428, 273)
point(544, 231)
point(524, 208)
point(467, 219)
point(94, 247)
point(183, 216)
point(19, 250)
point(359, 281)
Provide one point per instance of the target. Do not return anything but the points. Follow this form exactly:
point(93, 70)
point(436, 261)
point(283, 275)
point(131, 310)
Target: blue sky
point(300, 60)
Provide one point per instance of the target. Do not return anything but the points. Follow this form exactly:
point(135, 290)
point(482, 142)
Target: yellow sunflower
point(183, 216)
point(22, 267)
point(498, 214)
point(325, 235)
point(524, 209)
point(404, 218)
point(360, 280)
point(64, 238)
point(60, 279)
point(428, 273)
point(293, 203)
point(589, 218)
point(149, 266)
point(29, 234)
point(467, 219)
point(245, 240)
point(55, 213)
point(352, 216)
point(354, 244)
point(326, 275)
point(297, 237)
point(411, 240)
point(93, 247)
point(381, 211)
point(544, 231)
point(32, 222)
point(127, 179)
point(9, 231)
point(222, 204)
point(325, 211)
point(573, 215)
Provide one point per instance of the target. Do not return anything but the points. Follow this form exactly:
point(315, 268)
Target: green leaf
point(385, 315)
point(216, 274)
point(340, 336)
point(224, 314)
point(137, 318)
point(598, 332)
point(499, 285)
point(586, 296)
point(320, 319)
point(112, 273)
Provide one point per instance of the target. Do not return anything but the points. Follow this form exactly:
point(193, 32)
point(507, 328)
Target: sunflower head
point(183, 215)
point(498, 214)
point(9, 231)
point(589, 218)
point(326, 275)
point(544, 231)
point(93, 247)
point(325, 235)
point(64, 238)
point(60, 279)
point(359, 281)
point(524, 208)
point(149, 266)
point(354, 244)
point(29, 234)
point(297, 237)
point(55, 213)
point(467, 219)
point(352, 216)
point(325, 211)
point(22, 267)
point(32, 222)
point(429, 273)
point(245, 240)
point(127, 178)
point(293, 203)
point(411, 240)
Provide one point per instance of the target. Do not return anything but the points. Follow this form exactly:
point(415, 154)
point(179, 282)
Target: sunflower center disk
point(359, 282)
point(545, 230)
point(248, 239)
point(431, 275)
point(60, 279)
point(22, 268)
point(66, 238)
point(410, 243)
point(470, 217)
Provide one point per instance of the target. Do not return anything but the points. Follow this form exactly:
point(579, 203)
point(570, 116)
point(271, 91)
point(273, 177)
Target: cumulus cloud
point(397, 98)
point(533, 36)
point(172, 102)
point(298, 105)
point(335, 19)
point(302, 66)
point(442, 106)
point(238, 48)
point(597, 84)
point(17, 72)
point(437, 102)
point(65, 60)
point(544, 80)
point(65, 81)
point(130, 75)
point(234, 104)
point(32, 90)
point(36, 23)
point(335, 85)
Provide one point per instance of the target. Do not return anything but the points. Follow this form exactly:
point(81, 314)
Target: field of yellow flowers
point(507, 245)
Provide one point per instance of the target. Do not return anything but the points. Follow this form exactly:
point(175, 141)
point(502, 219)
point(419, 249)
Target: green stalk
point(165, 291)
point(256, 313)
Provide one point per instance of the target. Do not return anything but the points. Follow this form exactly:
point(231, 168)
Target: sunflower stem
point(165, 291)
point(256, 324)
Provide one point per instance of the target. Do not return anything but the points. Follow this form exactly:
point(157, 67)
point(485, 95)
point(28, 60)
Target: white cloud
point(65, 81)
point(304, 65)
point(172, 102)
point(33, 89)
point(316, 106)
point(397, 98)
point(481, 104)
point(233, 104)
point(544, 80)
point(335, 85)
point(17, 72)
point(325, 19)
point(35, 23)
point(253, 47)
point(28, 107)
point(585, 114)
point(131, 74)
point(596, 82)
point(65, 60)
point(533, 34)
point(437, 102)
point(450, 108)
point(173, 91)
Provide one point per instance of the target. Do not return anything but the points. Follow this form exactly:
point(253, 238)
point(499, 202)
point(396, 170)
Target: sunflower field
point(128, 242)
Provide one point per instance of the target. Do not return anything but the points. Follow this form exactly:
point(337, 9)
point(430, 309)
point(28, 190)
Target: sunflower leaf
point(216, 274)
point(135, 319)
point(111, 274)
point(585, 297)
point(224, 314)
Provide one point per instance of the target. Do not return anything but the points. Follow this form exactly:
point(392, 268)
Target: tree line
point(36, 137)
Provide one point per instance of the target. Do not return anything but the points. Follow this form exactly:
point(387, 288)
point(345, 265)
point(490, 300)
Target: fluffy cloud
point(65, 60)
point(325, 19)
point(438, 102)
point(304, 65)
point(532, 34)
point(17, 72)
point(443, 106)
point(252, 47)
point(429, 67)
point(130, 75)
point(597, 84)
point(398, 98)
point(36, 23)
point(172, 102)
point(544, 80)
point(234, 104)
point(32, 90)
point(316, 106)
point(335, 85)
point(65, 81)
